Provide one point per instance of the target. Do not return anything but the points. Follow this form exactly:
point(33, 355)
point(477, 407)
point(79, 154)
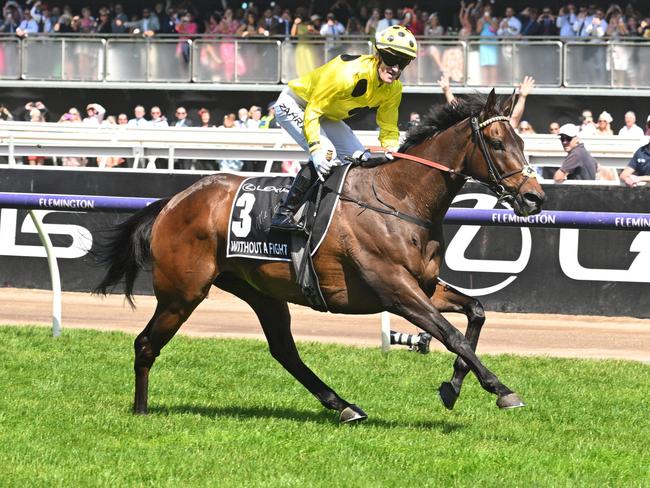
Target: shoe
point(284, 218)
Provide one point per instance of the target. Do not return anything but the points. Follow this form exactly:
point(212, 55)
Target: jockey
point(312, 109)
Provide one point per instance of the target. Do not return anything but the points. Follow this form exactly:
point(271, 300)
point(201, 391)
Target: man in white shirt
point(510, 25)
point(139, 120)
point(95, 114)
point(388, 20)
point(332, 28)
point(630, 129)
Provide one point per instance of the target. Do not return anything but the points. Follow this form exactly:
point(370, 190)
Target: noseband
point(496, 178)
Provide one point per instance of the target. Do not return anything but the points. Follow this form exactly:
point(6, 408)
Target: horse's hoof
point(510, 400)
point(140, 410)
point(352, 413)
point(447, 395)
point(423, 343)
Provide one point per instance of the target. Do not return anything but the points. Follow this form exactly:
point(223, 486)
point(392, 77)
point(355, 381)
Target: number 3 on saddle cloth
point(249, 234)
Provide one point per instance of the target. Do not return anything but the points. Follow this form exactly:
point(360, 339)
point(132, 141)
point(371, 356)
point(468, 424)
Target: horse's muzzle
point(528, 203)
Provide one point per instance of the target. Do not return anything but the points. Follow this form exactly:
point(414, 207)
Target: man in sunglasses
point(312, 109)
point(579, 164)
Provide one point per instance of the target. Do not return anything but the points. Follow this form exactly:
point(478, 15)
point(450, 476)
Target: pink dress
point(227, 50)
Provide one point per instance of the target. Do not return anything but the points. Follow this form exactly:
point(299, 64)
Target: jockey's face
point(391, 66)
point(388, 74)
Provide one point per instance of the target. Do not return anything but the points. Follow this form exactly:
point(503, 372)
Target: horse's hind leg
point(167, 319)
point(447, 299)
point(275, 319)
point(173, 309)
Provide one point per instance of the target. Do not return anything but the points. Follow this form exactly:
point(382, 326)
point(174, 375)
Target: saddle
point(250, 236)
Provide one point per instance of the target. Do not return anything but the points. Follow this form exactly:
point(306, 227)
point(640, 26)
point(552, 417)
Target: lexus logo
point(455, 255)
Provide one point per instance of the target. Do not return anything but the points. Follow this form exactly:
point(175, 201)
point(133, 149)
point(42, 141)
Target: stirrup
point(287, 225)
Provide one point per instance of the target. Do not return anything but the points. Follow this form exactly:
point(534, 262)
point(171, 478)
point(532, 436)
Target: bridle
point(495, 176)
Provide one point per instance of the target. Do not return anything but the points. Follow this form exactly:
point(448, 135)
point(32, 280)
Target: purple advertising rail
point(456, 215)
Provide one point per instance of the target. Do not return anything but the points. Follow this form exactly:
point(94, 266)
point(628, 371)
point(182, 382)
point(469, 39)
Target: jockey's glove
point(388, 152)
point(324, 161)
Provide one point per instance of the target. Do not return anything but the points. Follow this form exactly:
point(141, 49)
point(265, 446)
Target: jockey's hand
point(324, 161)
point(388, 152)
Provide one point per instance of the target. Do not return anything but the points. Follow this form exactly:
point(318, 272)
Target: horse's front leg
point(447, 299)
point(410, 302)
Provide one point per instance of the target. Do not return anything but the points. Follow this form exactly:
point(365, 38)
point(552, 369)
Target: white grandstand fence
point(19, 139)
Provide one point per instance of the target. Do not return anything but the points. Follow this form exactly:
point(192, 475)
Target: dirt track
point(223, 315)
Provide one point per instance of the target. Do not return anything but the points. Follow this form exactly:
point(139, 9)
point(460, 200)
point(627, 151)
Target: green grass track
point(224, 413)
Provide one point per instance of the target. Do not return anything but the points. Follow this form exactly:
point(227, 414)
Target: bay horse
point(370, 260)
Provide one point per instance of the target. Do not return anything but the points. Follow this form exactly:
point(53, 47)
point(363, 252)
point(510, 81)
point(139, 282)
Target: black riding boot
point(283, 220)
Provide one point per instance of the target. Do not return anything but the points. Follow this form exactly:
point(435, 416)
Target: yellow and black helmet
point(397, 40)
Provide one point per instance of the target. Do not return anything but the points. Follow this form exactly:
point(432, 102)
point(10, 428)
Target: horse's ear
point(489, 108)
point(509, 106)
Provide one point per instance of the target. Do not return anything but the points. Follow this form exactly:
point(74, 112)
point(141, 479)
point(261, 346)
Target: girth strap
point(395, 213)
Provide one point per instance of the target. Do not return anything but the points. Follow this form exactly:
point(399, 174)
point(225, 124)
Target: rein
point(417, 159)
point(479, 140)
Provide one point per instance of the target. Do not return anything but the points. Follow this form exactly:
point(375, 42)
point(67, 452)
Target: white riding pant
point(334, 134)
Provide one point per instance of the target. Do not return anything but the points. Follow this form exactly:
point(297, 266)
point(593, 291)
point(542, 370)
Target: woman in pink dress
point(228, 29)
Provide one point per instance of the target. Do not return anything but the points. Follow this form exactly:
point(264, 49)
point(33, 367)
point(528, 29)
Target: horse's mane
point(442, 117)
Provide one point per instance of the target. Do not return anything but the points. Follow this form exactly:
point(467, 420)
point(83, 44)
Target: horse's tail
point(126, 251)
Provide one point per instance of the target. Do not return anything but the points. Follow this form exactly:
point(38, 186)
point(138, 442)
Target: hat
point(648, 119)
point(570, 130)
point(270, 105)
point(314, 17)
point(605, 116)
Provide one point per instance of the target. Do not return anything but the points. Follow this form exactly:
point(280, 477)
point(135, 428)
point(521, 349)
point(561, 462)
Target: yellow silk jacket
point(339, 88)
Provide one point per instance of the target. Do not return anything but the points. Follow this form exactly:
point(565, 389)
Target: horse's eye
point(497, 144)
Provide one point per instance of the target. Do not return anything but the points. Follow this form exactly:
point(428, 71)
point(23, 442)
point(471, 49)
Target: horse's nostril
point(533, 199)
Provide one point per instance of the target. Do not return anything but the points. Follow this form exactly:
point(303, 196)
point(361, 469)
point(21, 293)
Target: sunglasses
point(565, 138)
point(390, 59)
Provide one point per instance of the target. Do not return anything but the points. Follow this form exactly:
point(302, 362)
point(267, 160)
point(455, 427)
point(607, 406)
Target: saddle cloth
point(249, 234)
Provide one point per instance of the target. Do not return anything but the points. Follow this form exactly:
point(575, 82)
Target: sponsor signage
point(509, 268)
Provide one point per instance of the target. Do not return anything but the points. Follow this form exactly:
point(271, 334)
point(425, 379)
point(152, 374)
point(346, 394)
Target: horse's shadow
point(323, 417)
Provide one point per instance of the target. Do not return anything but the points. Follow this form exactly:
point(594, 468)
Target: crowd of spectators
point(343, 17)
point(96, 115)
point(253, 118)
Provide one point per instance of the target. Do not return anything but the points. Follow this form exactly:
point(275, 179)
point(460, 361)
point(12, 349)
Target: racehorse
point(382, 252)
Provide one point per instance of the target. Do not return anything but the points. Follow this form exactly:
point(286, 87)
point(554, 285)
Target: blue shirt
point(640, 162)
point(565, 24)
point(29, 25)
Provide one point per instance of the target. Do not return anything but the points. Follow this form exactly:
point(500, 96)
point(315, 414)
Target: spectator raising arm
point(525, 88)
point(443, 83)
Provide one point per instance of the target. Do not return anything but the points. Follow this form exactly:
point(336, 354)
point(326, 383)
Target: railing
point(471, 62)
point(19, 139)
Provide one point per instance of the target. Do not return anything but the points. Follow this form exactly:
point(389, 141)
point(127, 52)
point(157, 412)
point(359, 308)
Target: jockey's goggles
point(390, 59)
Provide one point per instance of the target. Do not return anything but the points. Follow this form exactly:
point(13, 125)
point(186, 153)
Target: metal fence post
point(54, 274)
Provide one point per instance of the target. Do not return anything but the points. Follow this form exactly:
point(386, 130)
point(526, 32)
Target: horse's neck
point(429, 191)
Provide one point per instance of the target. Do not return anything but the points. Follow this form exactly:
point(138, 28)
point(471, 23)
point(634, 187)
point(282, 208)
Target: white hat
point(648, 119)
point(605, 116)
point(570, 130)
